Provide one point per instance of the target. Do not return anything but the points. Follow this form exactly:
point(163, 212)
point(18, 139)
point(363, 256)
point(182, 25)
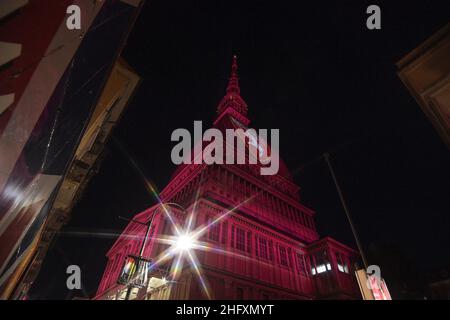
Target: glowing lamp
point(184, 242)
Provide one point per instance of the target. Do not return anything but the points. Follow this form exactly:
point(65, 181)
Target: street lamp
point(135, 268)
point(184, 242)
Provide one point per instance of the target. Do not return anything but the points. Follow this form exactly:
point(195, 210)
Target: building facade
point(425, 72)
point(265, 247)
point(88, 157)
point(51, 80)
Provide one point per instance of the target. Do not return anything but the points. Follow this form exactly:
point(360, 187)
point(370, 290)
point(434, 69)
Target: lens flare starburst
point(185, 241)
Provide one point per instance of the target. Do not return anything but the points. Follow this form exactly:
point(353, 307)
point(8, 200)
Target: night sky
point(314, 71)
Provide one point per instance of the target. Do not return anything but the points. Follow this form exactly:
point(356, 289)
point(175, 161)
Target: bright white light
point(184, 242)
point(321, 268)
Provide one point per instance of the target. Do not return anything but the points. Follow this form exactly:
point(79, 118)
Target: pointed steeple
point(233, 83)
point(232, 103)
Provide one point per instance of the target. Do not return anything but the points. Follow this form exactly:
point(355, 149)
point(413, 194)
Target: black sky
point(311, 69)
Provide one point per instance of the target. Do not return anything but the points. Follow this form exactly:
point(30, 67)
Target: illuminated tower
point(266, 248)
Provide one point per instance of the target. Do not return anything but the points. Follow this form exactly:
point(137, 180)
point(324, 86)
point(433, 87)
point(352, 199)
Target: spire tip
point(233, 84)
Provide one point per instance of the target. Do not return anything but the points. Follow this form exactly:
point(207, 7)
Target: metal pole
point(127, 296)
point(141, 251)
point(149, 225)
point(347, 212)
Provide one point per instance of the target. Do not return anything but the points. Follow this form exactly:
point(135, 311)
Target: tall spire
point(232, 103)
point(233, 84)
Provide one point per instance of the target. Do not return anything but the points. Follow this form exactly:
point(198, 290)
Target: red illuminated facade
point(274, 249)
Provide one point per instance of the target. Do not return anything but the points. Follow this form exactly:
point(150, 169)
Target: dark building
point(439, 284)
point(51, 80)
point(425, 72)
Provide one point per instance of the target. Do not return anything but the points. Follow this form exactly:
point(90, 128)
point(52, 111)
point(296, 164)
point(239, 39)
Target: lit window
point(313, 271)
point(321, 268)
point(321, 261)
point(342, 263)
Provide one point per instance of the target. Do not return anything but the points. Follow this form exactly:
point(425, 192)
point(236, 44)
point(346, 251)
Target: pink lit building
point(267, 248)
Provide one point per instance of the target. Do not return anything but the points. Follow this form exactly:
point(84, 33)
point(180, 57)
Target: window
point(342, 264)
point(239, 293)
point(249, 242)
point(321, 268)
point(232, 236)
point(322, 264)
point(301, 263)
point(240, 239)
point(263, 248)
point(271, 251)
point(214, 230)
point(283, 256)
point(224, 232)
